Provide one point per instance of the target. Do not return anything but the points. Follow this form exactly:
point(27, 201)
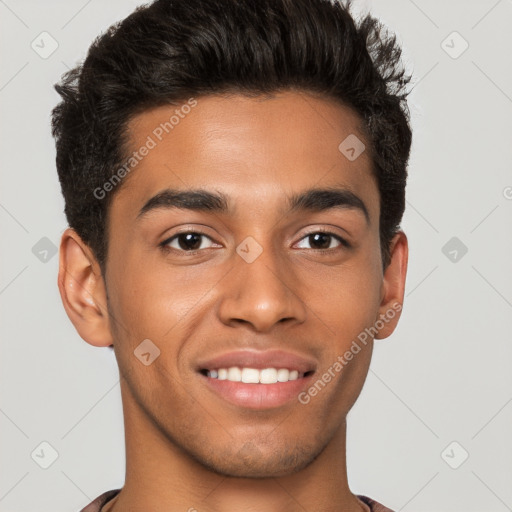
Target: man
point(234, 176)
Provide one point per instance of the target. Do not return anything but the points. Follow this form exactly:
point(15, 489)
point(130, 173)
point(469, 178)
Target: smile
point(254, 375)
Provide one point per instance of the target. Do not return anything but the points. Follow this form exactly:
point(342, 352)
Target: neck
point(160, 476)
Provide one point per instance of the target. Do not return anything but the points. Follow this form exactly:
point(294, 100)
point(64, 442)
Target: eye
point(192, 241)
point(323, 239)
point(187, 241)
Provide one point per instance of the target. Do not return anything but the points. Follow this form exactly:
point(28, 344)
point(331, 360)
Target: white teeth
point(234, 374)
point(283, 375)
point(250, 375)
point(253, 375)
point(268, 376)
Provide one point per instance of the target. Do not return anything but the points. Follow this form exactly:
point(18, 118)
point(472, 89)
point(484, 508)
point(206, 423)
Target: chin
point(250, 461)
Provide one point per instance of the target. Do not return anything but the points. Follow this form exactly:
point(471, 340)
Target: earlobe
point(393, 286)
point(82, 290)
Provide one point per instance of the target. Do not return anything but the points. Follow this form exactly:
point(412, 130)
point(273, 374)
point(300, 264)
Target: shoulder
point(374, 505)
point(95, 506)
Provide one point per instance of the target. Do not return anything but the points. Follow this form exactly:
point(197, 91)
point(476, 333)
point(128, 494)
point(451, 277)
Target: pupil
point(189, 239)
point(322, 236)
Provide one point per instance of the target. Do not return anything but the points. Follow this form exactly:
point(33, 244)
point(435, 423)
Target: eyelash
point(164, 245)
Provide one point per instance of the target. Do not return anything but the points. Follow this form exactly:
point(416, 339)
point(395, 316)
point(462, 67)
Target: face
point(251, 278)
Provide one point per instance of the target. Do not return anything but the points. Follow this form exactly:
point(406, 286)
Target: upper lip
point(259, 360)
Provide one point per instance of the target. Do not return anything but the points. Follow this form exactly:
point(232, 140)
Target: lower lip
point(258, 396)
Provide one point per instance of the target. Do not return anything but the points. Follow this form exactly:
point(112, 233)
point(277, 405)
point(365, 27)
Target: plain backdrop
point(431, 431)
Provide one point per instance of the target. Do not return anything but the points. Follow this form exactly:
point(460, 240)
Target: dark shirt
point(102, 500)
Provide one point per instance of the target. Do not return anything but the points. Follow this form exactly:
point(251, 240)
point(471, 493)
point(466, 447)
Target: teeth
point(268, 376)
point(253, 375)
point(234, 374)
point(283, 375)
point(250, 375)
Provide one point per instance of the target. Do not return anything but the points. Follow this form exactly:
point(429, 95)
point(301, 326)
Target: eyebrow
point(312, 200)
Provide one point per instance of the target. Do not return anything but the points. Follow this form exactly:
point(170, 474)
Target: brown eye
point(189, 241)
point(322, 241)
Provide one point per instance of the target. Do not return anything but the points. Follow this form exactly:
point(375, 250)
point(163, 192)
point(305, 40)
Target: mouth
point(257, 380)
point(254, 375)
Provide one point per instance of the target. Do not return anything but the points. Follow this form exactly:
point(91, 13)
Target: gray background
point(443, 377)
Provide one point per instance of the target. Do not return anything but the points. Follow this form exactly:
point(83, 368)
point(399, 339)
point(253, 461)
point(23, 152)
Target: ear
point(82, 290)
point(393, 286)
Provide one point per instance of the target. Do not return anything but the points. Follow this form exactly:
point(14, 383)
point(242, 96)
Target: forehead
point(254, 149)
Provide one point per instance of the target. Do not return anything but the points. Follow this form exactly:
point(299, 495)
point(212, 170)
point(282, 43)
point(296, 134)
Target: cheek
point(159, 303)
point(344, 299)
point(150, 300)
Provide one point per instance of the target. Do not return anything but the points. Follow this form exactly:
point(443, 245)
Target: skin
point(185, 446)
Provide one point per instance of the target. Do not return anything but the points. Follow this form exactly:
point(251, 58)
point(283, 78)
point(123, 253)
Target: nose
point(261, 293)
